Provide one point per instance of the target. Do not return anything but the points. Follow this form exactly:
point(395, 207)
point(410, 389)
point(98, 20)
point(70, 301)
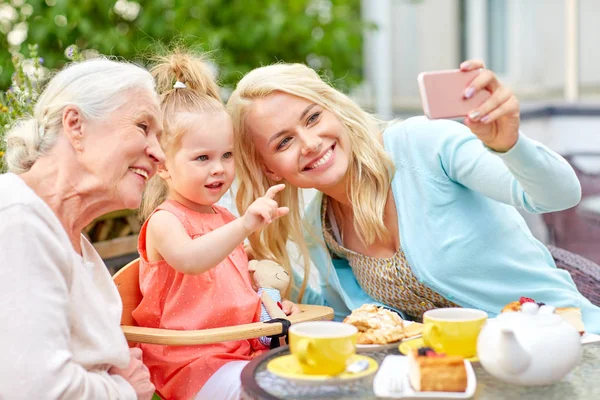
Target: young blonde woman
point(413, 215)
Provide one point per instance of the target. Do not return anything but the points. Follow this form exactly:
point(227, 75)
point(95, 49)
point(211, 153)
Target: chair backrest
point(585, 273)
point(569, 229)
point(127, 280)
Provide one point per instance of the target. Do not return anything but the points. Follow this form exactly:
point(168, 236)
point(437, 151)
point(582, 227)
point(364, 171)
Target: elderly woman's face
point(122, 150)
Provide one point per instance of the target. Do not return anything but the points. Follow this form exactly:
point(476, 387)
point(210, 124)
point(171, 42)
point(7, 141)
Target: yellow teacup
point(453, 331)
point(322, 347)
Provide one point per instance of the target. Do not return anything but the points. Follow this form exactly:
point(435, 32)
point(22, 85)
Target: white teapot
point(527, 349)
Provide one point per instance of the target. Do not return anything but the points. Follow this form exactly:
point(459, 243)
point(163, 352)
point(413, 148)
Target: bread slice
point(436, 372)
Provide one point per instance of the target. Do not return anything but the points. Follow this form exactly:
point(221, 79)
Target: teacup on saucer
point(288, 367)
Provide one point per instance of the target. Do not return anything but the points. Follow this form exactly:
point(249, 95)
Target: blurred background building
point(540, 48)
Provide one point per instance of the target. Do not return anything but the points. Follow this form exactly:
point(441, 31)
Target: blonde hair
point(96, 87)
point(200, 95)
point(370, 169)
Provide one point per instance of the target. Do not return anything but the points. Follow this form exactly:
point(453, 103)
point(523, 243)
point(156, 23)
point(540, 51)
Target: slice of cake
point(573, 316)
point(570, 314)
point(433, 372)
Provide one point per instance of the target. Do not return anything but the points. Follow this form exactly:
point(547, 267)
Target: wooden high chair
point(127, 281)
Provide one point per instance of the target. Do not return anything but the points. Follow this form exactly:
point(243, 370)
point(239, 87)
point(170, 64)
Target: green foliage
point(240, 34)
point(20, 99)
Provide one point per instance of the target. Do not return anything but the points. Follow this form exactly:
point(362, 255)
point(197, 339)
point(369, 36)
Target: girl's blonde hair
point(370, 171)
point(200, 95)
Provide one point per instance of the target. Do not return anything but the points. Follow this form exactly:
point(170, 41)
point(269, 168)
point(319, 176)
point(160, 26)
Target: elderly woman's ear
point(72, 122)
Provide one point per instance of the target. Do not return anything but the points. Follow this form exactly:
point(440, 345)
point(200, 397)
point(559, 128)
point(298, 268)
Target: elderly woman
point(89, 149)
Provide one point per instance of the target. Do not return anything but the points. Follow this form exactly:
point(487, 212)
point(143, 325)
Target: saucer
point(289, 368)
point(407, 346)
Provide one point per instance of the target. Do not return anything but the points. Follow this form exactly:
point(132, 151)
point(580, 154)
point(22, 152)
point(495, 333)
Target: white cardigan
point(59, 312)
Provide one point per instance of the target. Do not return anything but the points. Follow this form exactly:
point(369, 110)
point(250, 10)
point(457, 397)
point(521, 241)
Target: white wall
point(425, 35)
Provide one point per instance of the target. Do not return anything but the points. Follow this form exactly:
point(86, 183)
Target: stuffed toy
point(272, 280)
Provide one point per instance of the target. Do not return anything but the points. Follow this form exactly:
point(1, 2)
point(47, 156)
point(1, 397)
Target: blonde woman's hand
point(264, 210)
point(137, 374)
point(496, 121)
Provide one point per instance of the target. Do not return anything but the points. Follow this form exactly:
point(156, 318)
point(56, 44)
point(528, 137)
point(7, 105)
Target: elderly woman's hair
point(186, 86)
point(370, 170)
point(96, 87)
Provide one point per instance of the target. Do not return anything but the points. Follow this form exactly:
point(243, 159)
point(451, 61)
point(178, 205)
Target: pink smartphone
point(442, 93)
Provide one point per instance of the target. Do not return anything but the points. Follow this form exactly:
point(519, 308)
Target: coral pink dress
point(222, 296)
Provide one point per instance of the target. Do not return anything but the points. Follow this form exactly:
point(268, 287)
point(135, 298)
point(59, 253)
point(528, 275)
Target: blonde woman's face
point(299, 141)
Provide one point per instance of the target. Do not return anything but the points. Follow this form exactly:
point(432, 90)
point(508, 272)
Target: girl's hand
point(290, 308)
point(264, 210)
point(136, 373)
point(496, 121)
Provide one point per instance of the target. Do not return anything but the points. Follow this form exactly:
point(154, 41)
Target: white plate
point(366, 348)
point(396, 367)
point(589, 338)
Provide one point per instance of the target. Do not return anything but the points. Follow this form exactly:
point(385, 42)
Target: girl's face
point(201, 170)
point(300, 141)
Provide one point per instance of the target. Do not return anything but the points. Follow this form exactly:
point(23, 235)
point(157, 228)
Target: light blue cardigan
point(459, 228)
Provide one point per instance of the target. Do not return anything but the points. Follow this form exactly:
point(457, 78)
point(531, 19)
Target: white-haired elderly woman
point(89, 149)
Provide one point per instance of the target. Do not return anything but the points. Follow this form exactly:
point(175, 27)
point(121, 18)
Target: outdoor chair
point(585, 273)
point(127, 281)
point(572, 229)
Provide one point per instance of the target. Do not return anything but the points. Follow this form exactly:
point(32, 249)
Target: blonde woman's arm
point(529, 176)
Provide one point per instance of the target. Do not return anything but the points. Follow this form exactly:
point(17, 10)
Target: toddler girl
point(193, 268)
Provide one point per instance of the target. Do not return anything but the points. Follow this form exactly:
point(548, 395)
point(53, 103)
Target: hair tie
point(179, 85)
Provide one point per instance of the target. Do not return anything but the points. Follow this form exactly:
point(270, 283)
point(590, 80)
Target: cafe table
point(583, 383)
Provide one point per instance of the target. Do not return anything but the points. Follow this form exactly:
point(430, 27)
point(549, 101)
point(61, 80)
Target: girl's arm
point(168, 237)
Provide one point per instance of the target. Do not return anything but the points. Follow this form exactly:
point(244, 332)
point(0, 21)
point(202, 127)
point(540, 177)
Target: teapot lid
point(519, 318)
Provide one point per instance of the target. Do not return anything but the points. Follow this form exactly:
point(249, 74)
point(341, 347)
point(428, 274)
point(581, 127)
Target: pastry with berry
point(527, 305)
point(436, 372)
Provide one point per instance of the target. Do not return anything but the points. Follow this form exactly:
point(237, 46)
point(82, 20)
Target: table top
point(581, 383)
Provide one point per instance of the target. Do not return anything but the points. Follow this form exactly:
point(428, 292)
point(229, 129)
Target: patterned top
point(222, 296)
point(387, 280)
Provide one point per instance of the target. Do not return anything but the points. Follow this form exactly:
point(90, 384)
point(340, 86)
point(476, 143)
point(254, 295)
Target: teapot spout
point(513, 358)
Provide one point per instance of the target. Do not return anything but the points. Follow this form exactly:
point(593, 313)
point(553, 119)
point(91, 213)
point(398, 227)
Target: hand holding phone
point(491, 109)
point(443, 93)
